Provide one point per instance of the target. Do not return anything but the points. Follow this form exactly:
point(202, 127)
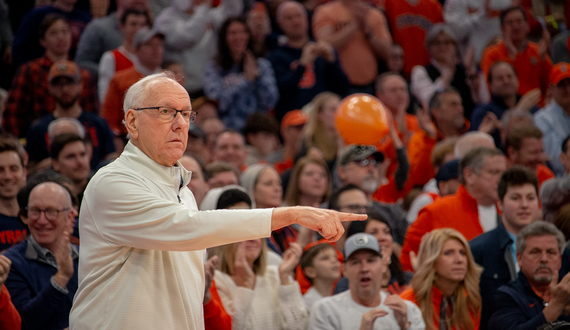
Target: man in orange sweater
point(471, 211)
point(524, 147)
point(530, 60)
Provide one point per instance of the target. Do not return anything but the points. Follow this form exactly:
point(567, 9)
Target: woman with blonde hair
point(320, 130)
point(310, 183)
point(446, 283)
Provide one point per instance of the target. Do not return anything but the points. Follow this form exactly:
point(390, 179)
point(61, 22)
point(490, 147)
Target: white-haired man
point(143, 238)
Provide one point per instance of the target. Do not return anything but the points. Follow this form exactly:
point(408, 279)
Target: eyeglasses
point(356, 208)
point(34, 213)
point(365, 161)
point(167, 114)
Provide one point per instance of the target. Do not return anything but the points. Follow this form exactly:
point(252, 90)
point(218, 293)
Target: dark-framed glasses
point(167, 114)
point(34, 213)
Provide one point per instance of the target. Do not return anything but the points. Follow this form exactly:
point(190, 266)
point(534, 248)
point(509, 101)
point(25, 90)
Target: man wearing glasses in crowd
point(143, 239)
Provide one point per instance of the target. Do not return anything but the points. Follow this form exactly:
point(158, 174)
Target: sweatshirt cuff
point(289, 292)
point(57, 287)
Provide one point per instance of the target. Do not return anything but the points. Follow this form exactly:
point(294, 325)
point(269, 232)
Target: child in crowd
point(321, 267)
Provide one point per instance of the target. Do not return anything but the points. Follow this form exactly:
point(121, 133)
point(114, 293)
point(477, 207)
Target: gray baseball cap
point(361, 241)
point(359, 152)
point(144, 34)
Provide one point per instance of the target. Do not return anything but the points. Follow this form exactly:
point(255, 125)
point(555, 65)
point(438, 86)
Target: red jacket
point(457, 211)
point(215, 316)
point(436, 296)
point(9, 317)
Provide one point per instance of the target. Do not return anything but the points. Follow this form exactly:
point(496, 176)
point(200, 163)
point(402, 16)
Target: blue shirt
point(555, 125)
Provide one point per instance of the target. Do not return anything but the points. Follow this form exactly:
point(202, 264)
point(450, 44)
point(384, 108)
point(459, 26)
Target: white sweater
point(142, 251)
point(270, 306)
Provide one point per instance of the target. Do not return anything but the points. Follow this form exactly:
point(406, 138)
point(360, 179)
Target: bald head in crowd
point(472, 140)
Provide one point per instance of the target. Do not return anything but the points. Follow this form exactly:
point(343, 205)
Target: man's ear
point(131, 123)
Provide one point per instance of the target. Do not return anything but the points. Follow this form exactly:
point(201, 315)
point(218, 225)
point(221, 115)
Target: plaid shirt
point(29, 97)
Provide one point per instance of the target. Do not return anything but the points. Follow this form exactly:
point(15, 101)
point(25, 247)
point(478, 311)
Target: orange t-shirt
point(543, 173)
point(410, 22)
point(532, 72)
point(357, 57)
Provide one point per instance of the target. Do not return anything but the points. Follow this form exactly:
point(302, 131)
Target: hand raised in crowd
point(560, 297)
point(489, 123)
point(326, 51)
point(209, 269)
point(425, 122)
point(250, 68)
point(511, 48)
point(544, 44)
point(291, 259)
point(397, 304)
point(243, 274)
point(529, 100)
point(5, 264)
point(62, 253)
point(368, 318)
point(309, 53)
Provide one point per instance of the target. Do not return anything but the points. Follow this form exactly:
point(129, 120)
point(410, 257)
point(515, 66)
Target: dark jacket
point(516, 306)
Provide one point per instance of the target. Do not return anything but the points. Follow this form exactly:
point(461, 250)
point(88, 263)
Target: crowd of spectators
point(467, 194)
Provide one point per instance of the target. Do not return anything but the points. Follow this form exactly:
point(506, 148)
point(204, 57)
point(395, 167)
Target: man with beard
point(69, 157)
point(535, 297)
point(65, 85)
point(359, 165)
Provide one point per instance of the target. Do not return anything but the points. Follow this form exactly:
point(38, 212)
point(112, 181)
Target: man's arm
point(89, 50)
point(509, 316)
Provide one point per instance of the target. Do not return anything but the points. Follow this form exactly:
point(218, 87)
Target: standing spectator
point(554, 119)
point(43, 279)
point(229, 146)
point(240, 83)
point(12, 179)
point(149, 46)
point(410, 22)
point(29, 97)
point(360, 34)
point(471, 211)
point(302, 67)
point(524, 147)
point(28, 47)
point(191, 29)
point(530, 60)
point(103, 34)
point(65, 87)
point(320, 131)
point(445, 283)
point(124, 56)
point(446, 70)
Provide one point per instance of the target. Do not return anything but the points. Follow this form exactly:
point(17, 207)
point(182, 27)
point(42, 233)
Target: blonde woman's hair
point(315, 132)
point(467, 298)
point(293, 197)
point(228, 257)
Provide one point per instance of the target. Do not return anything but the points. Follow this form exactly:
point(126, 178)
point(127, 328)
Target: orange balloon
point(362, 119)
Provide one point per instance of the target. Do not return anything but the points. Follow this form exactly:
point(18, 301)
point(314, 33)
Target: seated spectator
point(446, 111)
point(197, 185)
point(394, 278)
point(43, 279)
point(229, 146)
point(65, 87)
point(258, 296)
point(419, 16)
point(259, 24)
point(69, 157)
point(206, 108)
point(221, 174)
point(446, 70)
point(504, 85)
point(536, 296)
point(524, 147)
point(26, 46)
point(359, 165)
point(103, 34)
point(12, 179)
point(29, 96)
point(474, 202)
point(530, 60)
point(9, 317)
point(241, 83)
point(495, 250)
point(445, 283)
point(261, 133)
point(292, 126)
point(191, 29)
point(321, 267)
point(124, 56)
point(554, 119)
point(302, 67)
point(320, 131)
point(360, 34)
point(364, 303)
point(149, 48)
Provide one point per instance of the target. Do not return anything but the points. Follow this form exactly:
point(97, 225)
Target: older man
point(143, 238)
point(535, 297)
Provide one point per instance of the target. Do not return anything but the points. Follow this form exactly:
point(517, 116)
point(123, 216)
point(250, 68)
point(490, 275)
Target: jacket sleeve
point(182, 32)
point(265, 86)
point(509, 316)
point(419, 156)
point(457, 17)
point(90, 48)
point(287, 79)
point(111, 109)
point(9, 317)
point(292, 309)
point(215, 315)
point(414, 237)
point(422, 86)
point(228, 8)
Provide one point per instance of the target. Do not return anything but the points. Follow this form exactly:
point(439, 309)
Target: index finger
point(351, 216)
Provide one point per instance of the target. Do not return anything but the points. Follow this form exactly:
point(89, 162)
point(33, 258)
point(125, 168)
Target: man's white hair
point(137, 93)
point(470, 141)
point(52, 127)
